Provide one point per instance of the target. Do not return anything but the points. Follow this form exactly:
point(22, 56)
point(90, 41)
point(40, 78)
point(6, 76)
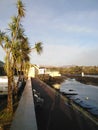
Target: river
point(84, 95)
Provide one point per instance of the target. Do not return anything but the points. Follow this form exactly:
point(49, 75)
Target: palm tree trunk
point(15, 86)
point(10, 85)
point(10, 98)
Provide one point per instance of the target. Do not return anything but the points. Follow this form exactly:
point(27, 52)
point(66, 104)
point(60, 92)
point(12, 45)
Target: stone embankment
point(86, 80)
point(58, 112)
point(52, 80)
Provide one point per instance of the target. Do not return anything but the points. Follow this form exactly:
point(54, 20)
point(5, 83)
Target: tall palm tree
point(17, 50)
point(16, 33)
point(10, 47)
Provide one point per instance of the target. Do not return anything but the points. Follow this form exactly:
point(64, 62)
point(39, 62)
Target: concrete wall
point(74, 113)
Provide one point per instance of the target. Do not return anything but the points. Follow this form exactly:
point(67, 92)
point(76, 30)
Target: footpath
point(57, 112)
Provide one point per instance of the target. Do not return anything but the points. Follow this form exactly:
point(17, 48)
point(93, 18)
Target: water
point(85, 95)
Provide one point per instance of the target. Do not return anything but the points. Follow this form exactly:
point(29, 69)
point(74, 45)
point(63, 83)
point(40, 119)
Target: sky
point(68, 30)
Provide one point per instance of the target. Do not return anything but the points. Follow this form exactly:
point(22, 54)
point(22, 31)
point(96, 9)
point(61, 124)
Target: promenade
point(57, 113)
point(24, 118)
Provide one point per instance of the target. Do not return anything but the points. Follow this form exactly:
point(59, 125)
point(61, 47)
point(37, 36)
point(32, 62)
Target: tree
point(6, 45)
point(17, 50)
point(10, 46)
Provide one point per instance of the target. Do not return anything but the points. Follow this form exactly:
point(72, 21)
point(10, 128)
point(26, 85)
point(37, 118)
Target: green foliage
point(75, 70)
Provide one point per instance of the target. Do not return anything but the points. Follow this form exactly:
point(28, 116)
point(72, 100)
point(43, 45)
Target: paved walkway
point(25, 114)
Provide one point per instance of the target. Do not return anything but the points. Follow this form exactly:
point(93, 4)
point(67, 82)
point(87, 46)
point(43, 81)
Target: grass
point(5, 116)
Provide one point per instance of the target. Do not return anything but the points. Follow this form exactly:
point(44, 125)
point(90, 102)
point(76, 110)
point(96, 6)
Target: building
point(53, 73)
point(42, 70)
point(33, 71)
point(36, 70)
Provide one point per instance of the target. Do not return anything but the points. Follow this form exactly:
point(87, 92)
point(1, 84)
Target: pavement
point(56, 112)
point(24, 118)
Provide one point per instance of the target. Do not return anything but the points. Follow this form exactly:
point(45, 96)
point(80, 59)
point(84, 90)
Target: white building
point(53, 73)
point(42, 70)
point(33, 71)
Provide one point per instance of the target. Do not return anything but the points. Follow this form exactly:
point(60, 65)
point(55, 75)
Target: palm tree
point(17, 50)
point(16, 34)
point(10, 46)
point(23, 54)
point(38, 47)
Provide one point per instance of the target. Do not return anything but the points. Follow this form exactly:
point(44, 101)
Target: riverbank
point(80, 103)
point(86, 80)
point(52, 80)
point(58, 113)
point(82, 95)
point(59, 79)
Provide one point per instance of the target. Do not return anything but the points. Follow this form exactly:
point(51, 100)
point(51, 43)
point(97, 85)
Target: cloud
point(66, 55)
point(56, 55)
point(43, 21)
point(67, 29)
point(75, 28)
point(88, 56)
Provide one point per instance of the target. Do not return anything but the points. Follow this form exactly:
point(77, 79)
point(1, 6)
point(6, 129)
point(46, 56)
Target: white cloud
point(88, 56)
point(75, 29)
point(69, 22)
point(65, 29)
point(66, 55)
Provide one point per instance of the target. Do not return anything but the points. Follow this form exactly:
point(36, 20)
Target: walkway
point(25, 114)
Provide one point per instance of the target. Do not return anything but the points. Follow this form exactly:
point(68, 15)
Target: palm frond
point(21, 8)
point(39, 47)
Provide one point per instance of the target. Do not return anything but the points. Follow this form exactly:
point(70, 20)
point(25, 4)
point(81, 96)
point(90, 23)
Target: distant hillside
point(1, 64)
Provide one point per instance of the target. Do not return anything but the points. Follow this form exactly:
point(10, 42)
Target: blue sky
point(67, 28)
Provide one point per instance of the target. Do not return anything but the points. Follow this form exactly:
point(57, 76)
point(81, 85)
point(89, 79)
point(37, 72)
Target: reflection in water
point(87, 95)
